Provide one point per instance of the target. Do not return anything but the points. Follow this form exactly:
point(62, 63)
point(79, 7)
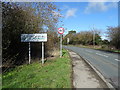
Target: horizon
point(84, 16)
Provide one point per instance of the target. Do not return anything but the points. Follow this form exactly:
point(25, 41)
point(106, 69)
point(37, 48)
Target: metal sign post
point(42, 52)
point(68, 40)
point(35, 38)
point(61, 45)
point(60, 31)
point(29, 53)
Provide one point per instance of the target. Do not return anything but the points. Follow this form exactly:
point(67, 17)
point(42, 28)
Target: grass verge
point(54, 74)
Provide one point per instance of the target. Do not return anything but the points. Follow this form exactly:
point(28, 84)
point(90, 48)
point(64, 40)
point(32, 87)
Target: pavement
point(83, 75)
point(106, 63)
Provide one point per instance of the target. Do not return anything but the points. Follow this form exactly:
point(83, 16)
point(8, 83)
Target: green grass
point(54, 74)
point(0, 81)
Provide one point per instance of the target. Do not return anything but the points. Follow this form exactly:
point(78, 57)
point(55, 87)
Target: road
point(105, 62)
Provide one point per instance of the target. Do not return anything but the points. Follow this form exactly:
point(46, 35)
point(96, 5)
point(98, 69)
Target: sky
point(82, 16)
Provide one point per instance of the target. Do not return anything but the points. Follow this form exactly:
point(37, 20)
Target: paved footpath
point(83, 75)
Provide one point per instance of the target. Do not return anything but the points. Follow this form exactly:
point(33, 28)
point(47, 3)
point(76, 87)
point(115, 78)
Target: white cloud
point(71, 12)
point(56, 14)
point(98, 0)
point(113, 5)
point(99, 6)
point(65, 7)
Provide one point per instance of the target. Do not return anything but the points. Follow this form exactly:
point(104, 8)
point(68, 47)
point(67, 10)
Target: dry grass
point(54, 53)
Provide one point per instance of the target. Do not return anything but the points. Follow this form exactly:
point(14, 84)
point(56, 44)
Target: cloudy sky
point(82, 16)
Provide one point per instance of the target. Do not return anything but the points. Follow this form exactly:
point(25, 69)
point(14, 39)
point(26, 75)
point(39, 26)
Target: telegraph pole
point(93, 37)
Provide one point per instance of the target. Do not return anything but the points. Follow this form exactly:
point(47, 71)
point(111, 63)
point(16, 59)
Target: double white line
point(106, 56)
point(101, 55)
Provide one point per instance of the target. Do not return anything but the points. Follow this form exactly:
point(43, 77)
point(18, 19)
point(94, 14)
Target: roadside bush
point(83, 37)
point(114, 36)
point(21, 18)
point(52, 43)
point(103, 46)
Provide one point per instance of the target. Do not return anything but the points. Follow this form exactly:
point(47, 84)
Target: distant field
point(96, 47)
point(54, 74)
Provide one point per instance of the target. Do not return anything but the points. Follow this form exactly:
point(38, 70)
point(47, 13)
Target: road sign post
point(29, 54)
point(35, 38)
point(68, 40)
point(42, 52)
point(60, 45)
point(60, 31)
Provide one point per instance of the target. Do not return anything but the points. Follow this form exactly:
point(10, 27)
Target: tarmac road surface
point(105, 62)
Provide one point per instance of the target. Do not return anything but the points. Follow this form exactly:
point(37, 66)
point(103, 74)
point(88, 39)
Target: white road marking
point(88, 51)
point(101, 55)
point(117, 60)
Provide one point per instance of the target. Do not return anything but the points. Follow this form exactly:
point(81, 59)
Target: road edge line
point(97, 72)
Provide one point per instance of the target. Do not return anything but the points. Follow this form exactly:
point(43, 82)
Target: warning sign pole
point(29, 53)
point(60, 31)
point(60, 45)
point(42, 52)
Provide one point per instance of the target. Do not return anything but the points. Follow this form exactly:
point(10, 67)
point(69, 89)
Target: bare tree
point(114, 36)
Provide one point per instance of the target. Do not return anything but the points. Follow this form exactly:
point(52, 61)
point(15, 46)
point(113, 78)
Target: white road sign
point(34, 37)
point(68, 40)
point(60, 30)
